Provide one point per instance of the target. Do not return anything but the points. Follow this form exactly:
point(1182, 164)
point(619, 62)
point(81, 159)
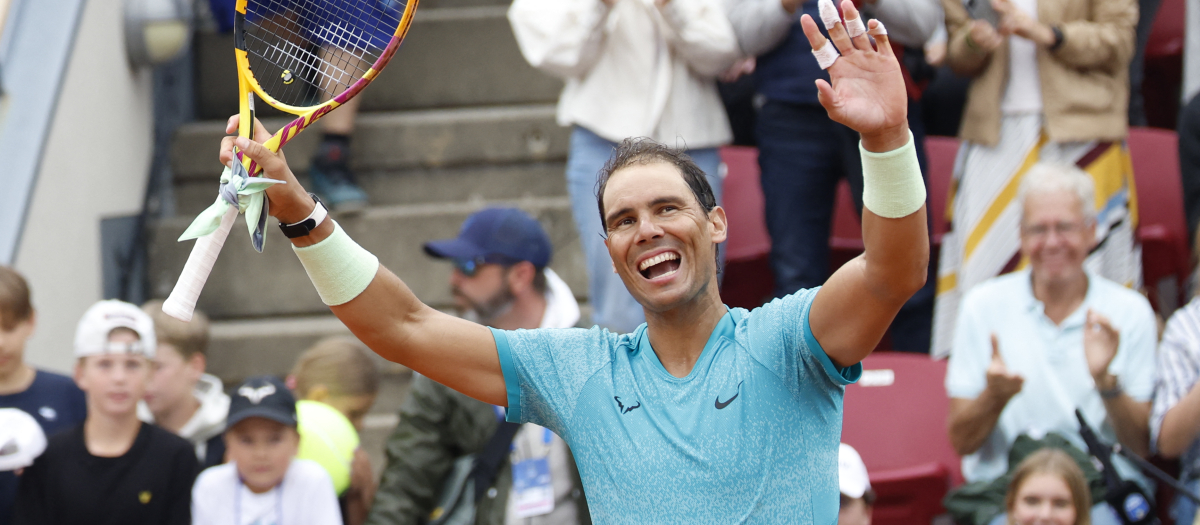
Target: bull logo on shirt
point(256, 395)
point(144, 497)
point(625, 409)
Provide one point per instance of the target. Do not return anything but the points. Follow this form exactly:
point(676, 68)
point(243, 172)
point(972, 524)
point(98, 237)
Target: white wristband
point(892, 183)
point(827, 55)
point(339, 268)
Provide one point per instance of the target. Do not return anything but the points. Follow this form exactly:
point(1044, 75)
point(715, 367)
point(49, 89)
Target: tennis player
point(704, 414)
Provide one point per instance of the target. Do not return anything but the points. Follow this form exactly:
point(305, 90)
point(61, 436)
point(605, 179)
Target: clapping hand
point(866, 92)
point(1000, 381)
point(1100, 342)
point(1014, 21)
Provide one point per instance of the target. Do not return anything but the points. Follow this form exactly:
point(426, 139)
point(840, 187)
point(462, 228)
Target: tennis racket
point(305, 57)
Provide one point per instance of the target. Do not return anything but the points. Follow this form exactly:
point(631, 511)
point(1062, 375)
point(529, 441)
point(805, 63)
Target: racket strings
point(303, 52)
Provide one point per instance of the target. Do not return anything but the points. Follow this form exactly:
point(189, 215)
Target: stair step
point(418, 185)
point(245, 284)
point(399, 140)
point(458, 52)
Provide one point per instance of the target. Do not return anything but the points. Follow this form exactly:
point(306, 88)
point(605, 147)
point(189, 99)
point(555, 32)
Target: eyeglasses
point(1059, 228)
point(470, 267)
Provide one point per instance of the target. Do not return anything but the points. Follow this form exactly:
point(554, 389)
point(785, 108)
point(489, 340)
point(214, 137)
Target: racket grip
point(182, 301)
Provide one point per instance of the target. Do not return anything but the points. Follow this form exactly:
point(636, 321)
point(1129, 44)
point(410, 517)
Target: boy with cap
point(51, 399)
point(857, 496)
point(264, 483)
point(112, 468)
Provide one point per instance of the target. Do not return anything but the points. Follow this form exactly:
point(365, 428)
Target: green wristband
point(892, 183)
point(339, 268)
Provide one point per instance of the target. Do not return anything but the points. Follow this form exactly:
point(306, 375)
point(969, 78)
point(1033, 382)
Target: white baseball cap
point(21, 439)
point(91, 337)
point(852, 473)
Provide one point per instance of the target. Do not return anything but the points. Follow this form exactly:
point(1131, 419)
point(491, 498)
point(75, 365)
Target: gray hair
point(1046, 177)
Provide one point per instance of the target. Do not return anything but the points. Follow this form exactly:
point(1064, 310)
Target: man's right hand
point(1000, 381)
point(289, 202)
point(984, 36)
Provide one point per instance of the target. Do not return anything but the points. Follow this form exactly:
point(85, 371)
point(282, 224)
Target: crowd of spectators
point(1035, 299)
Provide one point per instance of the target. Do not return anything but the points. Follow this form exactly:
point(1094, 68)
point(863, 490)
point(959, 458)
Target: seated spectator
point(264, 481)
point(113, 468)
point(501, 281)
point(858, 499)
point(1034, 345)
point(1048, 488)
point(52, 399)
point(337, 381)
point(1177, 403)
point(181, 398)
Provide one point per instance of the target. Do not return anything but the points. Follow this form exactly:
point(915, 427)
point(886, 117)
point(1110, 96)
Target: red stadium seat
point(895, 416)
point(743, 203)
point(1162, 227)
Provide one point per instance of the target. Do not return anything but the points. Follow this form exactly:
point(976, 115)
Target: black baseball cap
point(262, 396)
point(506, 232)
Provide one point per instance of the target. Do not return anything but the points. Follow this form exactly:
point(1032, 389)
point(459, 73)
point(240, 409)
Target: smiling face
point(1055, 236)
point(662, 243)
point(114, 382)
point(1043, 499)
point(263, 450)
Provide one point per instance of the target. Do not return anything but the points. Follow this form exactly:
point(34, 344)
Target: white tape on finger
point(826, 56)
point(855, 27)
point(878, 30)
point(829, 13)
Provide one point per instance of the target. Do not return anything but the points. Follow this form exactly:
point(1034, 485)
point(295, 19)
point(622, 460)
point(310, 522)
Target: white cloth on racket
point(827, 55)
point(855, 27)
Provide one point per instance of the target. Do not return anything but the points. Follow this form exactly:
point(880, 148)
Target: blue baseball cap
point(508, 233)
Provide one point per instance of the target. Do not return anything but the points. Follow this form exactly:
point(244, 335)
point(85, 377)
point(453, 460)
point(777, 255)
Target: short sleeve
point(545, 370)
point(781, 338)
point(322, 498)
point(966, 372)
point(1134, 362)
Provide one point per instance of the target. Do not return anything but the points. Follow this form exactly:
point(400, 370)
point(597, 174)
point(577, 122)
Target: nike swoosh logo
point(722, 404)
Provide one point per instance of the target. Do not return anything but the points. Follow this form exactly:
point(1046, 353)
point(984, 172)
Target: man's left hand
point(867, 92)
point(1100, 342)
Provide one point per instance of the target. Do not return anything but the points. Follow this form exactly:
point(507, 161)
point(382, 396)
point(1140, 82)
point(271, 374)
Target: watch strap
point(310, 223)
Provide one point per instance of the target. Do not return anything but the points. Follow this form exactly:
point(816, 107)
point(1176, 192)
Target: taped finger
point(877, 29)
point(855, 27)
point(829, 13)
point(826, 55)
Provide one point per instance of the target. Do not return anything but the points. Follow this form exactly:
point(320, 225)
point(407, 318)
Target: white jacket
point(209, 419)
point(634, 69)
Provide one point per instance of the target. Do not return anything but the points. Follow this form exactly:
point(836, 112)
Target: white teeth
point(660, 258)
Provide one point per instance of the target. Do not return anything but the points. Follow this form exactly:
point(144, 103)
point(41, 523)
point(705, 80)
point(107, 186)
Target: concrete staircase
point(458, 121)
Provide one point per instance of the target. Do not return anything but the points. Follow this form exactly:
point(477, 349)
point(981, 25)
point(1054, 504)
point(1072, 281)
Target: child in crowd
point(337, 381)
point(52, 399)
point(113, 469)
point(181, 398)
point(858, 499)
point(1048, 488)
point(264, 484)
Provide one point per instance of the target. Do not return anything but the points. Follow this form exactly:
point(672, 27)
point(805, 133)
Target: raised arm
point(386, 315)
point(856, 306)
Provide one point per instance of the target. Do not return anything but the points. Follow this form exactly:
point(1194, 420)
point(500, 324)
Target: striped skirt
point(985, 215)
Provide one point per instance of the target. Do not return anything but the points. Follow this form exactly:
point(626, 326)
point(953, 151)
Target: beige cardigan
point(1085, 82)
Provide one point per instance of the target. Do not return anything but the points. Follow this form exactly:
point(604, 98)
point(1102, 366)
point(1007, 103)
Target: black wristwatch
point(306, 226)
point(1058, 38)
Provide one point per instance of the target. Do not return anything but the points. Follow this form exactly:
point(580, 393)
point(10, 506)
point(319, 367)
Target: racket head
point(307, 57)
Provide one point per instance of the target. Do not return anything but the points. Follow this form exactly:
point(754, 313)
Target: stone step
point(245, 284)
point(400, 140)
point(457, 53)
point(418, 185)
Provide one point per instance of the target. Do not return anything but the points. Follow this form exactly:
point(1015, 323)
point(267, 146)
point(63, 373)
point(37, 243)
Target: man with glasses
point(500, 279)
point(1032, 346)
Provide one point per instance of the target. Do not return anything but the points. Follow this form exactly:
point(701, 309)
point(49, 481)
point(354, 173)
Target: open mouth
point(660, 265)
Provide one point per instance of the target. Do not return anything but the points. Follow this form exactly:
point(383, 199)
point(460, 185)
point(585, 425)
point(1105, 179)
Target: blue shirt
point(749, 436)
point(1050, 358)
point(57, 405)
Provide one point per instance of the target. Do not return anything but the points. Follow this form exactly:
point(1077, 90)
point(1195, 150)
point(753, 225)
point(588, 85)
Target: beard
point(486, 311)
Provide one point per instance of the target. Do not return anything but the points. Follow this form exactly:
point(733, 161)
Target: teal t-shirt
point(749, 436)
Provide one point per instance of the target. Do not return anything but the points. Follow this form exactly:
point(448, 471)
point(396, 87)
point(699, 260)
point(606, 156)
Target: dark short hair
point(642, 150)
point(15, 306)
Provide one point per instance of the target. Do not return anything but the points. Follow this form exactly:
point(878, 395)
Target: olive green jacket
point(437, 426)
